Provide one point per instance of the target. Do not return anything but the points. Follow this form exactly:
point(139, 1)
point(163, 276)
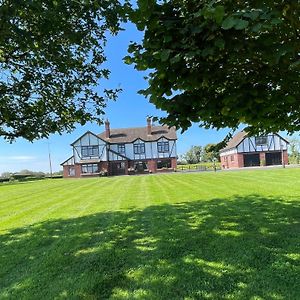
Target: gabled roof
point(67, 160)
point(235, 140)
point(239, 137)
point(129, 135)
point(88, 132)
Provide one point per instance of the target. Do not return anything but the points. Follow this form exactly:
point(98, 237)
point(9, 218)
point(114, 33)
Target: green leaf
point(175, 59)
point(167, 38)
point(220, 43)
point(128, 60)
point(219, 14)
point(164, 55)
point(228, 23)
point(241, 24)
point(257, 27)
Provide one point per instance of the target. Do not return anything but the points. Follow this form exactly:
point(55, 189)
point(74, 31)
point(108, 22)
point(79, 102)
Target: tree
point(194, 155)
point(210, 153)
point(294, 151)
point(221, 63)
point(50, 58)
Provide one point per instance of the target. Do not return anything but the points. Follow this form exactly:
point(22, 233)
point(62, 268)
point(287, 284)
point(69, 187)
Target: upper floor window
point(139, 148)
point(163, 146)
point(90, 168)
point(261, 140)
point(89, 151)
point(121, 148)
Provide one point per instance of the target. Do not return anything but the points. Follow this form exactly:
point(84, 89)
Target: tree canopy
point(221, 63)
point(50, 58)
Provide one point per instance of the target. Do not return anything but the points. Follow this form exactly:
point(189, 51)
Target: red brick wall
point(103, 166)
point(238, 160)
point(77, 170)
point(262, 158)
point(285, 157)
point(66, 171)
point(235, 160)
point(152, 166)
point(174, 163)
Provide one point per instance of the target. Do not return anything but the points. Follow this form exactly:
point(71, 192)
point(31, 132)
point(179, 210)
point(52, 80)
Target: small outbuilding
point(253, 151)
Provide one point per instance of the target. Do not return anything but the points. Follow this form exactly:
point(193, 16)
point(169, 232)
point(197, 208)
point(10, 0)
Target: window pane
point(89, 150)
point(261, 140)
point(89, 168)
point(139, 148)
point(163, 146)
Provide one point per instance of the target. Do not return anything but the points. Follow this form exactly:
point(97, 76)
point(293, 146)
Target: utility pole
point(282, 155)
point(49, 156)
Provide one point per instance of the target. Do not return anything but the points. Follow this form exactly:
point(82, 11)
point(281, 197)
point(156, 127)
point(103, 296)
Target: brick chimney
point(149, 126)
point(107, 129)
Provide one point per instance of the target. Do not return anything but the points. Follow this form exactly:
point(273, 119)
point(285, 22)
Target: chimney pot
point(149, 126)
point(107, 129)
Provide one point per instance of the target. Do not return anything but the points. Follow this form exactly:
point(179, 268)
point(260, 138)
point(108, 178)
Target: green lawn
point(224, 235)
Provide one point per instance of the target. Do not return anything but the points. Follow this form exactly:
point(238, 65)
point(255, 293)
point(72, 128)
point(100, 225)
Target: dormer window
point(88, 151)
point(163, 147)
point(121, 148)
point(261, 140)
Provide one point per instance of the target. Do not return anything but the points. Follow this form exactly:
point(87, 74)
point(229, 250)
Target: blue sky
point(130, 110)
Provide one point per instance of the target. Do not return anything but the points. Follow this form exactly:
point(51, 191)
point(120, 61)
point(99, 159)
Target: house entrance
point(273, 158)
point(251, 160)
point(117, 168)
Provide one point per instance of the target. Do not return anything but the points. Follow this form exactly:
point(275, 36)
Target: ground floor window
point(90, 168)
point(71, 171)
point(140, 166)
point(164, 164)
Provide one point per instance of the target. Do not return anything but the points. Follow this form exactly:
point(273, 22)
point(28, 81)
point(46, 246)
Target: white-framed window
point(139, 148)
point(163, 147)
point(121, 148)
point(261, 140)
point(89, 168)
point(89, 151)
point(71, 171)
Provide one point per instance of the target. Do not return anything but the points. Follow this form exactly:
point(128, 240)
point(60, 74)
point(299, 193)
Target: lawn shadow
point(238, 248)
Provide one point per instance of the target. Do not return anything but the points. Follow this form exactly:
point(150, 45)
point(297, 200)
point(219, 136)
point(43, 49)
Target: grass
point(224, 235)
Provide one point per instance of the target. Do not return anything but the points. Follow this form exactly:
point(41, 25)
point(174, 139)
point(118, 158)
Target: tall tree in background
point(50, 58)
point(194, 155)
point(221, 63)
point(294, 151)
point(210, 153)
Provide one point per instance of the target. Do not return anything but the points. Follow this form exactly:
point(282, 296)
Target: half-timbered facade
point(123, 151)
point(253, 151)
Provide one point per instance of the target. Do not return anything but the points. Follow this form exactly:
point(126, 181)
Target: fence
point(198, 168)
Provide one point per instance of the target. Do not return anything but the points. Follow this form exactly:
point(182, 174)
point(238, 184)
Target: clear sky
point(130, 110)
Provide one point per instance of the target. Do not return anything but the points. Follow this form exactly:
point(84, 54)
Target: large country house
point(123, 151)
point(247, 151)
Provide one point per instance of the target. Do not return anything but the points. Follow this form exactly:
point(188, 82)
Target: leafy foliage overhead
point(50, 58)
point(221, 63)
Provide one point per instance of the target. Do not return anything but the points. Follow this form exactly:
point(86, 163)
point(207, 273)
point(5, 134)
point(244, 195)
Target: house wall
point(238, 159)
point(274, 143)
point(234, 160)
point(151, 150)
point(89, 139)
point(285, 157)
point(228, 152)
point(108, 153)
